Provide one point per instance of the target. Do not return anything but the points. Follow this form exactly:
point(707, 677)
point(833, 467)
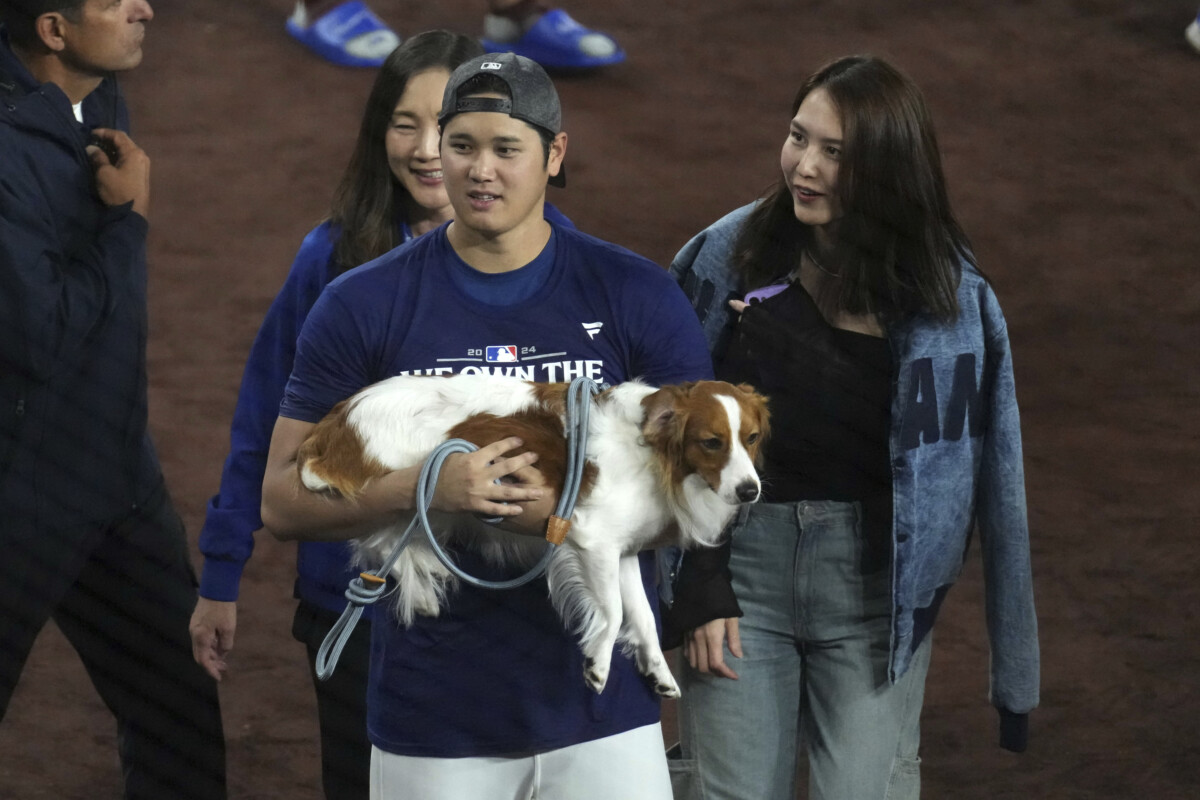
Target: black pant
point(341, 704)
point(123, 594)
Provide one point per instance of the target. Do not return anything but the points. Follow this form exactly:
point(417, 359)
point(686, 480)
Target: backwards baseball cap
point(532, 97)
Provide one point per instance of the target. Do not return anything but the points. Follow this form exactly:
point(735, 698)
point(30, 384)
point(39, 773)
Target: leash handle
point(359, 595)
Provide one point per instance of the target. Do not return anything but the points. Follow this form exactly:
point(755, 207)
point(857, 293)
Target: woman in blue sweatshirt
point(390, 193)
point(850, 297)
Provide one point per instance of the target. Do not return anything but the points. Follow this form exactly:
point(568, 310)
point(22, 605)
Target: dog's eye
point(711, 444)
point(752, 438)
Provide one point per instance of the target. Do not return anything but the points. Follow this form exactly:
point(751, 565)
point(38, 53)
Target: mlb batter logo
point(500, 353)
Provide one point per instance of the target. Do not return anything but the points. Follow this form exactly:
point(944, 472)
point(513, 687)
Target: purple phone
point(758, 295)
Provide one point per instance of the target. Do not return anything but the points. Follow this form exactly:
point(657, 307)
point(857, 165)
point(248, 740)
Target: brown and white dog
point(665, 466)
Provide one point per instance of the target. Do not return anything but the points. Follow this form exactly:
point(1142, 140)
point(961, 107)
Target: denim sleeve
point(703, 270)
point(1004, 534)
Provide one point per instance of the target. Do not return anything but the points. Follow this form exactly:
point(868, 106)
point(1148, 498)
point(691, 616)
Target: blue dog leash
point(369, 587)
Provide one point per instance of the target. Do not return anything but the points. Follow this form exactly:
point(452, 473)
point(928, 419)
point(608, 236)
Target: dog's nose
point(747, 491)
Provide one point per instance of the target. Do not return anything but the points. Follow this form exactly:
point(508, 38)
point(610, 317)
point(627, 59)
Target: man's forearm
point(291, 511)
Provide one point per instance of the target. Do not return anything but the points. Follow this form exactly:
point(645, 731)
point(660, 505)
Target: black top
point(830, 394)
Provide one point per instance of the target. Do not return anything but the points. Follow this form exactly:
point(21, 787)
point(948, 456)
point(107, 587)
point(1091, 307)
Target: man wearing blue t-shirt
point(488, 699)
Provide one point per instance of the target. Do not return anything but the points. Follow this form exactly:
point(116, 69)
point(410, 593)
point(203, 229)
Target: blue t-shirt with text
point(496, 673)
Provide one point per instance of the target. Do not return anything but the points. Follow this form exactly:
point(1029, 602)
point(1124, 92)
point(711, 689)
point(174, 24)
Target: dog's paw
point(660, 677)
point(666, 687)
point(595, 675)
point(653, 666)
point(663, 681)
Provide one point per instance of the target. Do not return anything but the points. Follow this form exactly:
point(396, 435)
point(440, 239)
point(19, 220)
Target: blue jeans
point(815, 638)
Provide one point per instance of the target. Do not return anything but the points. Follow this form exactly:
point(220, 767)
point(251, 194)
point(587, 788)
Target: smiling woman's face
point(412, 145)
point(810, 159)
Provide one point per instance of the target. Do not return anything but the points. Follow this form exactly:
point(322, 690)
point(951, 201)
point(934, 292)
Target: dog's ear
point(750, 393)
point(661, 412)
point(759, 404)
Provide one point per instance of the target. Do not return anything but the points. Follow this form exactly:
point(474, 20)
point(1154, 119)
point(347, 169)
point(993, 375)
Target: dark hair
point(19, 17)
point(897, 247)
point(369, 199)
point(483, 83)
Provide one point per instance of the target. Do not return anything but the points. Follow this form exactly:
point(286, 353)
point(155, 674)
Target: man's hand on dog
point(468, 482)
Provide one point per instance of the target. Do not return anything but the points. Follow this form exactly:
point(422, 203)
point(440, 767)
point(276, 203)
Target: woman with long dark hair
point(390, 193)
point(392, 188)
point(851, 297)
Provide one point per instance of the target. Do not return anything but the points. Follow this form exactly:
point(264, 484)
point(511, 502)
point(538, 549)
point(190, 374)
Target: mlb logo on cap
point(498, 353)
point(491, 65)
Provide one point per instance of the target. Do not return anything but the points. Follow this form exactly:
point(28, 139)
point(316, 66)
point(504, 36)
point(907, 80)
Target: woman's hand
point(704, 647)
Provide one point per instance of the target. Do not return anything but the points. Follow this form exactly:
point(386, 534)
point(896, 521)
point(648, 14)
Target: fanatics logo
point(592, 328)
point(500, 353)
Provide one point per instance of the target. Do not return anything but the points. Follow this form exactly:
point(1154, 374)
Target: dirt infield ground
point(1070, 132)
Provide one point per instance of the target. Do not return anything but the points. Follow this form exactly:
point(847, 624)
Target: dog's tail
point(333, 457)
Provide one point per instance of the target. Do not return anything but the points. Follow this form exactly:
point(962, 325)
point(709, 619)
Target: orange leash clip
point(557, 529)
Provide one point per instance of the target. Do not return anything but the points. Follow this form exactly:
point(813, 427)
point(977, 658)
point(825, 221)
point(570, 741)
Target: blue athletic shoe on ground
point(349, 34)
point(557, 42)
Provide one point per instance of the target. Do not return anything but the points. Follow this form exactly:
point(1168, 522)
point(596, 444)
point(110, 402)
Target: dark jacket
point(74, 449)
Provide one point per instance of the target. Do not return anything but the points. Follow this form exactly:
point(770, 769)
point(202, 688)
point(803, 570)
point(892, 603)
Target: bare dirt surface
point(1070, 134)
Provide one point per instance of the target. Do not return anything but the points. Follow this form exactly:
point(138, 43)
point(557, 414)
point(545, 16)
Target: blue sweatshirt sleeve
point(227, 538)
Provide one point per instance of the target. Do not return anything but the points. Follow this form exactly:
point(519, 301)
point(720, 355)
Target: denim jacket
point(955, 446)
